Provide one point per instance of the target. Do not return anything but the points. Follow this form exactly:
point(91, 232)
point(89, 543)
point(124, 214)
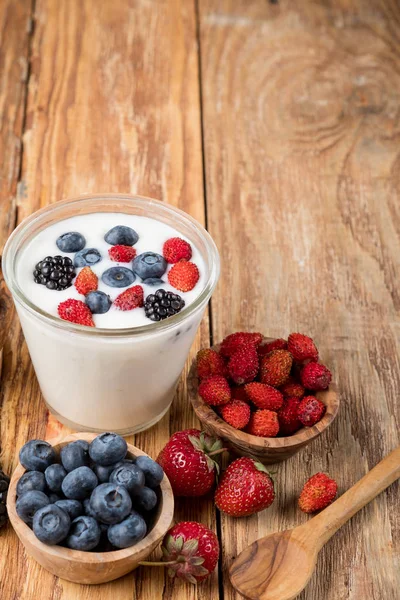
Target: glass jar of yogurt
point(121, 373)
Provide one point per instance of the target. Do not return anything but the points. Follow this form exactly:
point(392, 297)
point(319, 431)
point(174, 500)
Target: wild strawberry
point(245, 488)
point(190, 550)
point(267, 347)
point(287, 416)
point(176, 249)
point(209, 363)
point(187, 462)
point(236, 413)
point(121, 253)
point(292, 388)
point(315, 376)
point(275, 367)
point(215, 390)
point(234, 341)
point(130, 298)
point(183, 276)
point(318, 492)
point(302, 347)
point(243, 364)
point(263, 423)
point(75, 311)
point(310, 411)
point(86, 281)
point(264, 396)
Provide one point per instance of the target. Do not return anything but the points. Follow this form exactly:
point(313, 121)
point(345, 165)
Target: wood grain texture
point(279, 566)
point(266, 450)
point(113, 105)
point(302, 131)
point(14, 50)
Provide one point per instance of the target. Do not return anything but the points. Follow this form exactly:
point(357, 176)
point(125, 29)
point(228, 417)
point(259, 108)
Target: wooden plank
point(113, 104)
point(302, 151)
point(14, 49)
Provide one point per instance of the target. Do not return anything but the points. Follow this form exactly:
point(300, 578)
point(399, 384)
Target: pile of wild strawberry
point(264, 388)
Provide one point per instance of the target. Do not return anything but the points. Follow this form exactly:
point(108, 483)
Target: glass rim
point(9, 263)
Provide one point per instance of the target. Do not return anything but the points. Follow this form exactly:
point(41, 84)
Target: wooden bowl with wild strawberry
point(266, 398)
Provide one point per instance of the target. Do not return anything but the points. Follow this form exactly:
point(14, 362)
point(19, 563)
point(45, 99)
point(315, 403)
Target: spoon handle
point(324, 525)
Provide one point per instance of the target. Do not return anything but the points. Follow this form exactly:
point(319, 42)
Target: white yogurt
point(152, 235)
point(91, 380)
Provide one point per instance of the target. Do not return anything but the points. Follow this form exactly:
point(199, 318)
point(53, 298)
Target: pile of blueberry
point(92, 497)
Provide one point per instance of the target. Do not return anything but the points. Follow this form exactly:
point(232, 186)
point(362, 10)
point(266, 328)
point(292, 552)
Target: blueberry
point(71, 242)
point(130, 531)
point(73, 508)
point(153, 473)
point(84, 534)
point(110, 503)
point(51, 524)
point(31, 480)
point(37, 455)
point(103, 473)
point(108, 448)
point(86, 508)
point(153, 281)
point(118, 277)
point(53, 497)
point(98, 302)
point(87, 257)
point(54, 475)
point(29, 503)
point(79, 483)
point(130, 476)
point(149, 264)
point(120, 234)
point(75, 455)
point(144, 499)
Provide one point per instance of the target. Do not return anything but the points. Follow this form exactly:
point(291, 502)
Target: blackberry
point(55, 272)
point(4, 483)
point(162, 304)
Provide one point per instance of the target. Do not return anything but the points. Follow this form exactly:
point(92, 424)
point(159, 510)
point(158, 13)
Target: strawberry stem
point(217, 452)
point(146, 563)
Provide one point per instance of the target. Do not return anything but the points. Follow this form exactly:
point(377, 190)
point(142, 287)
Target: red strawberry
point(302, 347)
point(187, 462)
point(130, 298)
point(245, 488)
point(193, 550)
point(263, 423)
point(315, 376)
point(121, 253)
point(275, 367)
point(243, 364)
point(183, 276)
point(86, 281)
point(176, 249)
point(75, 311)
point(236, 413)
point(310, 411)
point(318, 492)
point(292, 388)
point(215, 390)
point(263, 395)
point(287, 416)
point(209, 363)
point(234, 341)
point(266, 348)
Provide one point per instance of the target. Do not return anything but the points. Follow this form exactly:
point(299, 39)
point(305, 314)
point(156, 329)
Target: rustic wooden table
point(277, 125)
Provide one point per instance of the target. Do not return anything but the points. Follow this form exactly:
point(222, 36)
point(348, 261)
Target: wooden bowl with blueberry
point(265, 398)
point(90, 508)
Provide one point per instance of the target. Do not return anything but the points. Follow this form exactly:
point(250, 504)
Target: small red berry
point(310, 411)
point(176, 249)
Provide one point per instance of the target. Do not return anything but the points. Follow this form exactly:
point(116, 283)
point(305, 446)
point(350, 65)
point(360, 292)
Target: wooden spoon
point(279, 566)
